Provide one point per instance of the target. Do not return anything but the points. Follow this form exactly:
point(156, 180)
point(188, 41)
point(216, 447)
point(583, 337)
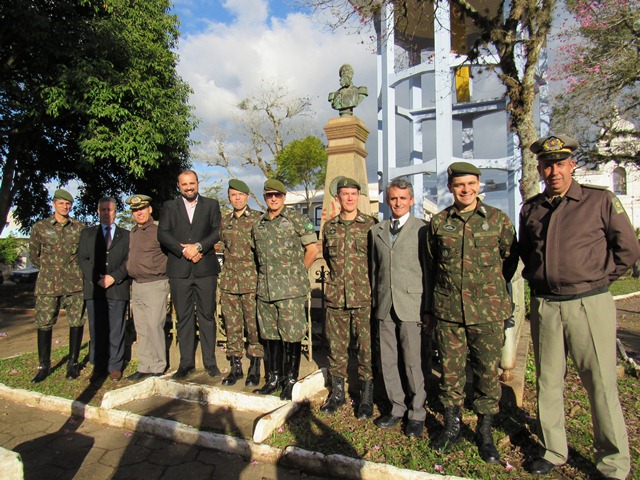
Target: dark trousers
point(194, 300)
point(106, 328)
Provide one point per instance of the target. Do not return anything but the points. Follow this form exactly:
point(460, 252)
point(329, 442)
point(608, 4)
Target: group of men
point(451, 275)
point(411, 277)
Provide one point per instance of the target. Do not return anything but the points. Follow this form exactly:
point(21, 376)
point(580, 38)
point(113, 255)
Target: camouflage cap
point(62, 195)
point(239, 185)
point(273, 184)
point(136, 202)
point(554, 147)
point(346, 182)
point(458, 169)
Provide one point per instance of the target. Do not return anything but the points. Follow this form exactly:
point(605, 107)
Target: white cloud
point(225, 63)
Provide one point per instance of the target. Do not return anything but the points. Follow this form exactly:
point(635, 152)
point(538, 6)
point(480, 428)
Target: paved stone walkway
point(53, 445)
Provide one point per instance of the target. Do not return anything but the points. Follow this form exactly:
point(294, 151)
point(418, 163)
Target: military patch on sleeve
point(617, 205)
point(308, 226)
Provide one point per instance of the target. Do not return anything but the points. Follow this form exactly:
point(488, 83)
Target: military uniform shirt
point(471, 260)
point(239, 272)
point(53, 248)
point(279, 245)
point(345, 249)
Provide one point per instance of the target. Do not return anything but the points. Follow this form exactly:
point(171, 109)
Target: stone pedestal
point(346, 157)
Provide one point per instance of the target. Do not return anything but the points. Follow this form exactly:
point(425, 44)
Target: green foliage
point(9, 250)
point(303, 163)
point(89, 92)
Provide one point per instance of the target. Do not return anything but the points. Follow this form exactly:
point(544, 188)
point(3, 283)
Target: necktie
point(555, 201)
point(107, 236)
point(395, 226)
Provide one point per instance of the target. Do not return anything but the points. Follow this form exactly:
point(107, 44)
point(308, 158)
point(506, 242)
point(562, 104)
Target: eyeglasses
point(269, 195)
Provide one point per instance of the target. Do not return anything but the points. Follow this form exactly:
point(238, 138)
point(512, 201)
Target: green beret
point(273, 184)
point(346, 182)
point(63, 195)
point(458, 169)
point(554, 147)
point(239, 185)
point(138, 201)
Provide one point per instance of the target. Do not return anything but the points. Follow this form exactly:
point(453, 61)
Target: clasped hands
point(190, 252)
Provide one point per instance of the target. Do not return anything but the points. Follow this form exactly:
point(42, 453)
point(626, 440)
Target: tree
point(9, 250)
point(303, 163)
point(89, 93)
point(264, 122)
point(599, 62)
point(515, 32)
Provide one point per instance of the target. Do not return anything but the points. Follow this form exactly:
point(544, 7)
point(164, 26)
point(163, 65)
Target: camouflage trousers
point(342, 325)
point(484, 345)
point(284, 320)
point(239, 312)
point(48, 307)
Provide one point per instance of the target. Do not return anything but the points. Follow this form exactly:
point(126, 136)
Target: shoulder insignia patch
point(617, 205)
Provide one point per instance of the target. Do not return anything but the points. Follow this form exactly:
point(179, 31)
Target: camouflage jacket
point(53, 248)
point(345, 248)
point(239, 272)
point(471, 263)
point(280, 245)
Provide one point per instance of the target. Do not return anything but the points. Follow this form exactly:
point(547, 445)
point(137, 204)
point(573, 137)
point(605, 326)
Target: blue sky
point(227, 49)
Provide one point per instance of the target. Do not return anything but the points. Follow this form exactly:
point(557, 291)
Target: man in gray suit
point(397, 257)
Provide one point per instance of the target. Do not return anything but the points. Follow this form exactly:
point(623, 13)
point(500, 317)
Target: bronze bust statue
point(349, 96)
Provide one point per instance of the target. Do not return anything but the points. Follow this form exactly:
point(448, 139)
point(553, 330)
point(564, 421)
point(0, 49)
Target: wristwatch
point(199, 247)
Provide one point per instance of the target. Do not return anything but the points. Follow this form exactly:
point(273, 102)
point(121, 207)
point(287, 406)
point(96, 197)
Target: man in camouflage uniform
point(348, 296)
point(286, 246)
point(238, 285)
point(471, 254)
point(53, 248)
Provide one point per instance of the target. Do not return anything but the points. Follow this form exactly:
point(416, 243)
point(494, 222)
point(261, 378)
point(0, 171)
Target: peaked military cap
point(554, 147)
point(273, 184)
point(239, 185)
point(136, 202)
point(458, 169)
point(346, 182)
point(62, 195)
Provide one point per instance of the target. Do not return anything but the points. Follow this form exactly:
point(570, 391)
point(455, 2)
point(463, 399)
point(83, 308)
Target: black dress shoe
point(387, 421)
point(98, 375)
point(214, 371)
point(414, 428)
point(540, 466)
point(138, 376)
point(182, 373)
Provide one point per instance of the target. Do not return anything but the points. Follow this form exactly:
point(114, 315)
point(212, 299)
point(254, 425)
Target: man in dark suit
point(189, 228)
point(397, 256)
point(102, 254)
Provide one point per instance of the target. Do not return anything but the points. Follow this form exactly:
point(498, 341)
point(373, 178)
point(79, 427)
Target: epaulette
point(595, 187)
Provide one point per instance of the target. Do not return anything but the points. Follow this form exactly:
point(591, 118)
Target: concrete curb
point(11, 465)
point(626, 295)
point(313, 462)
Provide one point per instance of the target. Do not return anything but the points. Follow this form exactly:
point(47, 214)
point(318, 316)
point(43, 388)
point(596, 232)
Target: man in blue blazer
point(397, 260)
point(189, 228)
point(102, 254)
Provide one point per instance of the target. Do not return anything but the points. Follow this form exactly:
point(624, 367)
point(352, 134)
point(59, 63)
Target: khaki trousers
point(585, 329)
point(149, 307)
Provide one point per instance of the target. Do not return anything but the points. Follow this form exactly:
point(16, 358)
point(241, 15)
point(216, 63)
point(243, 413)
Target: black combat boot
point(294, 350)
point(44, 355)
point(487, 449)
point(236, 372)
point(336, 399)
point(253, 375)
point(276, 376)
point(75, 342)
point(451, 433)
point(365, 410)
